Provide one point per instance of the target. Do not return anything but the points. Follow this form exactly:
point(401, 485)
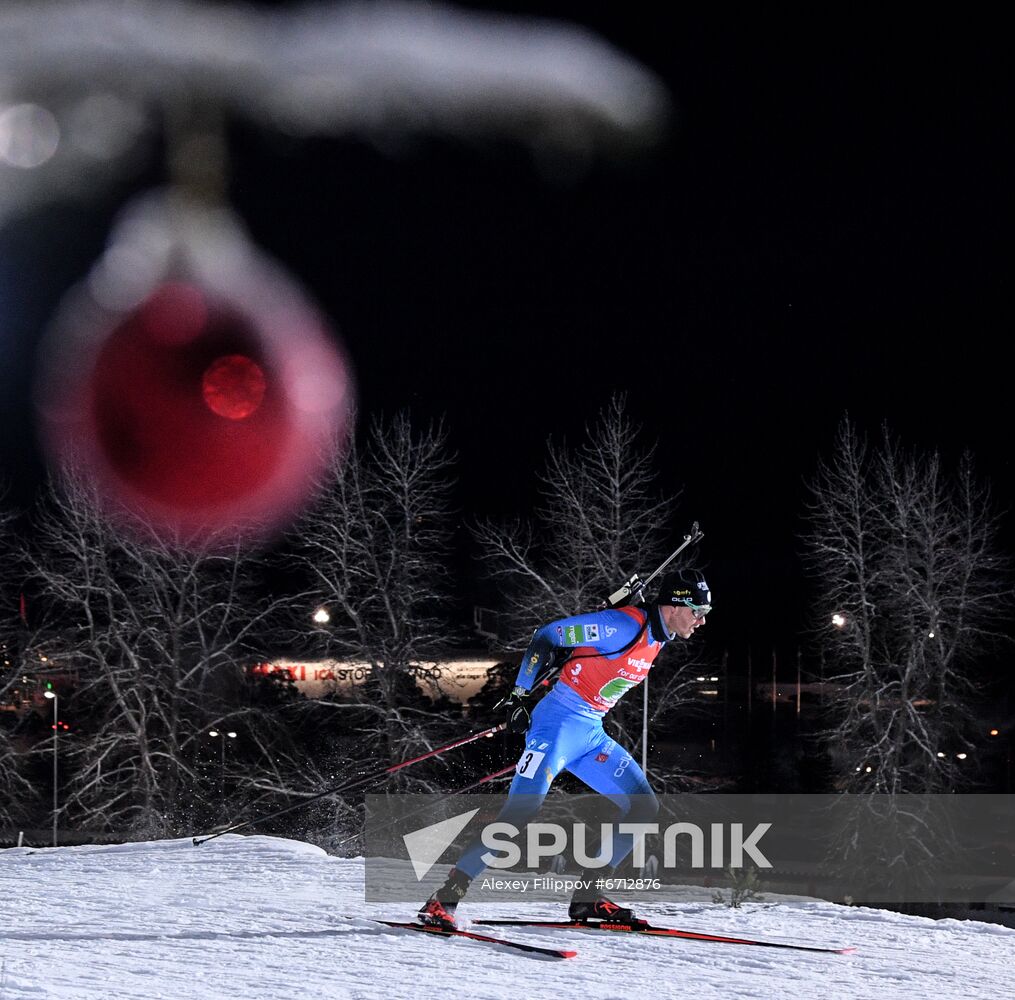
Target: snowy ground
point(259, 918)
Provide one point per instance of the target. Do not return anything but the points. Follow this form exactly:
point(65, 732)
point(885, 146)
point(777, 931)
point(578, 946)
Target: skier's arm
point(603, 631)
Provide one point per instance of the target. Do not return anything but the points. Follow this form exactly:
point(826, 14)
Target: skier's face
point(680, 619)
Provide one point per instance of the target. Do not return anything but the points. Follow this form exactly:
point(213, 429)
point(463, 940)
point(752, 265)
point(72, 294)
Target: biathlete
point(605, 654)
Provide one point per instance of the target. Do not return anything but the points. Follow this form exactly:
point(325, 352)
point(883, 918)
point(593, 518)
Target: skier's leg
point(612, 771)
point(525, 798)
point(554, 738)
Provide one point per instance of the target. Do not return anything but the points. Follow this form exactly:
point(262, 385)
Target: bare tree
point(155, 637)
point(17, 792)
point(600, 520)
point(907, 555)
point(374, 548)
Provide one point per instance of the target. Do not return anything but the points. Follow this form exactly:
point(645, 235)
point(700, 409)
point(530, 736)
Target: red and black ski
point(651, 931)
point(488, 939)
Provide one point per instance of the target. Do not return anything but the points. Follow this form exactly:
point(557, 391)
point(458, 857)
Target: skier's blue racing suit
point(607, 653)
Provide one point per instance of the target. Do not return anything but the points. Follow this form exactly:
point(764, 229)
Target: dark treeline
point(149, 645)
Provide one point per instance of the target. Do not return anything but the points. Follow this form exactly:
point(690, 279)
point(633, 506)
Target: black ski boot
point(590, 904)
point(439, 909)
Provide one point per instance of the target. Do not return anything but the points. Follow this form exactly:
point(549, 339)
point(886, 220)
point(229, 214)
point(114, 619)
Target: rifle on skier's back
point(633, 591)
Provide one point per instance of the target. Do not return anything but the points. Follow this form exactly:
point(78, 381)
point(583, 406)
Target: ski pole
point(489, 777)
point(458, 791)
point(355, 783)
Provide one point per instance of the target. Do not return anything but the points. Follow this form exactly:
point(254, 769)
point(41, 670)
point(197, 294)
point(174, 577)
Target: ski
point(651, 931)
point(473, 936)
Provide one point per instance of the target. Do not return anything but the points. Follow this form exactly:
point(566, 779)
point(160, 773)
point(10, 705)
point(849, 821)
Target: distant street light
point(839, 620)
point(56, 735)
point(321, 616)
point(222, 765)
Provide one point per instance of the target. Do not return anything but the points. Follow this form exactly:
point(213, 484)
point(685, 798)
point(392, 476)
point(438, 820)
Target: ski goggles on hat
point(700, 610)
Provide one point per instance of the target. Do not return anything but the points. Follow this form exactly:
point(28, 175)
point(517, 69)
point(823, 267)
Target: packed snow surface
point(261, 918)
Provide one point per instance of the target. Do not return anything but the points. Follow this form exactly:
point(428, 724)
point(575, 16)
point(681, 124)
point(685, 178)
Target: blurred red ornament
point(190, 380)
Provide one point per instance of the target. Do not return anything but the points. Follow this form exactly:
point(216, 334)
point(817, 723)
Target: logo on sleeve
point(576, 635)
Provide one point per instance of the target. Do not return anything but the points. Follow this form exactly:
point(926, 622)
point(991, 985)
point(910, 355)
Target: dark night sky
point(825, 228)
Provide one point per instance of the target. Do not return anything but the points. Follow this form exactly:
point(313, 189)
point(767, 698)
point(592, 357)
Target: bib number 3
point(528, 763)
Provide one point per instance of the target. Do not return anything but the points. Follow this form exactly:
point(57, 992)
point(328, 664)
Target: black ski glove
point(518, 716)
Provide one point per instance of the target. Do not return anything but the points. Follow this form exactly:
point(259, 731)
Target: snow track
point(260, 918)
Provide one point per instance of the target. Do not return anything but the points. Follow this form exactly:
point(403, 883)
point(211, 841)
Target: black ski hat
point(685, 586)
